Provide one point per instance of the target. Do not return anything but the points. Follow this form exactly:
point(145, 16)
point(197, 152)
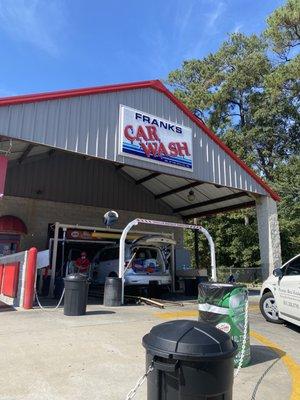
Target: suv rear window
point(147, 260)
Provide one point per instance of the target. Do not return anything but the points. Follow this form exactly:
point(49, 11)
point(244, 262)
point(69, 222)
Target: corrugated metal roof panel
point(136, 173)
point(74, 179)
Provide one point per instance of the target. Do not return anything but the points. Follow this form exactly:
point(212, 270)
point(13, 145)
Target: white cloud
point(212, 18)
point(237, 28)
point(183, 18)
point(36, 22)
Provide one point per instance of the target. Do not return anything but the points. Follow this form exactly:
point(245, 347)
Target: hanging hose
point(52, 309)
point(244, 339)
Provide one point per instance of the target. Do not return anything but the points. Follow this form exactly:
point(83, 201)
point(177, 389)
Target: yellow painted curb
point(187, 313)
point(292, 366)
point(177, 314)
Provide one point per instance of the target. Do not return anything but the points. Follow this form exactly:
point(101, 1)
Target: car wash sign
point(154, 139)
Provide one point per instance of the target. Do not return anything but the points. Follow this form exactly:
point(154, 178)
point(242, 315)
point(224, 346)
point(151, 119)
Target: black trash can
point(192, 360)
point(113, 292)
point(201, 279)
point(154, 290)
point(76, 293)
point(191, 287)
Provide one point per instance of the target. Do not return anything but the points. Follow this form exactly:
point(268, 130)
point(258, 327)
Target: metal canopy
point(171, 190)
point(174, 191)
point(87, 121)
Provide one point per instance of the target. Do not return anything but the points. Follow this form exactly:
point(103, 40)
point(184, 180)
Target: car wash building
point(70, 156)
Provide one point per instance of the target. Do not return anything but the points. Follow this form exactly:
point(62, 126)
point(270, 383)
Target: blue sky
point(60, 44)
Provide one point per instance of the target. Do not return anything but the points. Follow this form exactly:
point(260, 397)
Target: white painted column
point(54, 257)
point(268, 232)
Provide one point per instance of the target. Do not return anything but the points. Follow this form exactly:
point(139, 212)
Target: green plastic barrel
point(224, 306)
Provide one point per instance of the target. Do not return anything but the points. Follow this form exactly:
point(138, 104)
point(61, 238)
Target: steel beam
point(209, 202)
point(147, 178)
point(25, 153)
point(221, 210)
point(178, 190)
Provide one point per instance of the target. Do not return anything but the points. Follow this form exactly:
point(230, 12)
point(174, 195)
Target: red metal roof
point(154, 84)
point(11, 224)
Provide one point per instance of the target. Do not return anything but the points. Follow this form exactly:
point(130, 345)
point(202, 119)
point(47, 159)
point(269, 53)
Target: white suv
point(148, 262)
point(280, 294)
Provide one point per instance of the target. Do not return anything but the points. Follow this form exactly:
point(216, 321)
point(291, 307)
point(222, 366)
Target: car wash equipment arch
point(169, 224)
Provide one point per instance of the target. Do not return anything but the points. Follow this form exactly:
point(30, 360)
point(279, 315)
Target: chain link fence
point(242, 275)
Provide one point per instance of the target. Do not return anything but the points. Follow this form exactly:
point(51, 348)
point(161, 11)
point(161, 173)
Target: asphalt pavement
point(46, 355)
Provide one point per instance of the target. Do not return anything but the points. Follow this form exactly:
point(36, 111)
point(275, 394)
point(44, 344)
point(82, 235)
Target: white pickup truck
point(280, 294)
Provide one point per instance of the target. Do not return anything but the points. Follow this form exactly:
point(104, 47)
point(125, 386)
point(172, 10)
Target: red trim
point(30, 278)
point(154, 84)
point(65, 94)
point(1, 275)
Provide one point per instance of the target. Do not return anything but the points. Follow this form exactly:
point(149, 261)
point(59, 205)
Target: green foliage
point(236, 241)
point(283, 30)
point(287, 185)
point(223, 84)
point(249, 96)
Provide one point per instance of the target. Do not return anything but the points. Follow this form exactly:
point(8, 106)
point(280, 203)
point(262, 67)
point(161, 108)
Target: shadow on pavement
point(99, 312)
point(5, 307)
point(261, 378)
point(293, 327)
point(253, 292)
point(261, 354)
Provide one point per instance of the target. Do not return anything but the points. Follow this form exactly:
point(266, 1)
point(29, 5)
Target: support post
point(30, 278)
point(54, 257)
point(173, 267)
point(122, 253)
point(269, 237)
point(196, 245)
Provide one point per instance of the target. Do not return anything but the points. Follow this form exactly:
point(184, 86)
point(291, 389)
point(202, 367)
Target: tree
point(287, 184)
point(249, 96)
point(234, 92)
point(283, 30)
point(235, 241)
point(222, 84)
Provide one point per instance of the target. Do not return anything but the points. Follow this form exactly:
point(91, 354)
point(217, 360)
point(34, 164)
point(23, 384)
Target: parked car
point(280, 294)
point(145, 261)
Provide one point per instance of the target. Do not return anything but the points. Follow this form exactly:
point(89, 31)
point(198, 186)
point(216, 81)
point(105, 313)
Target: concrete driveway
point(45, 355)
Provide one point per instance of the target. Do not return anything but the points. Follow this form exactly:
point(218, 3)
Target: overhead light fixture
point(110, 218)
point(191, 196)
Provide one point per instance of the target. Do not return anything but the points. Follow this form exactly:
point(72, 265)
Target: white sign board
point(154, 139)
